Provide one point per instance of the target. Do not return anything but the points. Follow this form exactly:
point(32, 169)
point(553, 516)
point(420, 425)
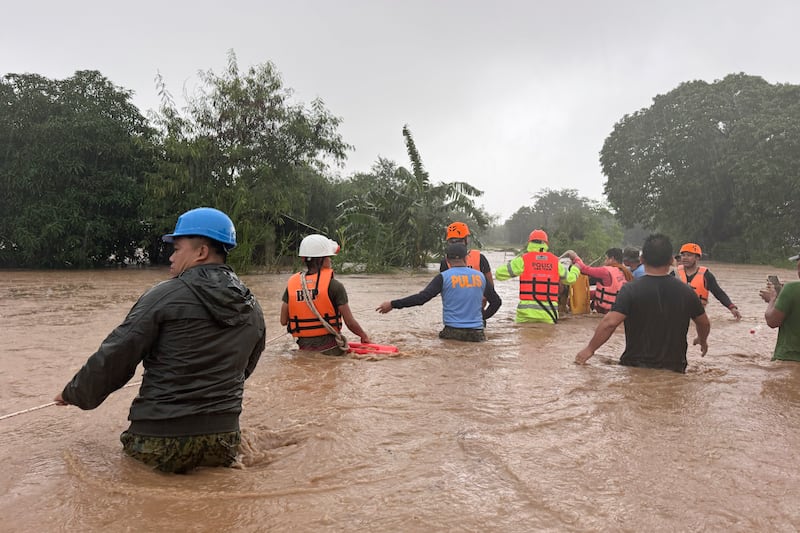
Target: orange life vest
point(606, 295)
point(302, 320)
point(698, 282)
point(473, 260)
point(539, 279)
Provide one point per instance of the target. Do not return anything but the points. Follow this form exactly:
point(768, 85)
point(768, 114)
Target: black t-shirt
point(657, 311)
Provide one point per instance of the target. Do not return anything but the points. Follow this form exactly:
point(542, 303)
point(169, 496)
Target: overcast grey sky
point(509, 96)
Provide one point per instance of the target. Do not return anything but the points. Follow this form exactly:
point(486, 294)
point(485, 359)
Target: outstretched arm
point(720, 295)
point(421, 298)
point(510, 270)
point(601, 334)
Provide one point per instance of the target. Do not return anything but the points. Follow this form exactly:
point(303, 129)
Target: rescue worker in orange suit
point(610, 278)
point(458, 232)
point(701, 279)
point(540, 275)
point(316, 294)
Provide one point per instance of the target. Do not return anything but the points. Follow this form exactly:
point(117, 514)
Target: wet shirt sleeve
point(716, 290)
point(422, 297)
point(115, 362)
point(494, 300)
point(485, 267)
point(337, 293)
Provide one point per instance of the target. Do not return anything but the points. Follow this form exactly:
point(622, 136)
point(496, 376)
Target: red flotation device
point(361, 348)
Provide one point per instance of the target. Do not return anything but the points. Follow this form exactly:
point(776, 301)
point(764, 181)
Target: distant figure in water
point(199, 336)
point(540, 276)
point(611, 276)
point(656, 310)
point(463, 290)
point(458, 232)
point(315, 303)
point(701, 279)
point(783, 312)
point(632, 259)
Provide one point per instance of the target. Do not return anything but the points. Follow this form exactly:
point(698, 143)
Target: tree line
point(89, 181)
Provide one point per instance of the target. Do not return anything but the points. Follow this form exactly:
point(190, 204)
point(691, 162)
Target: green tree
point(72, 165)
point(246, 148)
point(714, 163)
point(398, 217)
point(571, 222)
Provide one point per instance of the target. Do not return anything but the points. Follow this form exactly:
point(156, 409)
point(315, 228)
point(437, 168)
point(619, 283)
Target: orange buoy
point(362, 348)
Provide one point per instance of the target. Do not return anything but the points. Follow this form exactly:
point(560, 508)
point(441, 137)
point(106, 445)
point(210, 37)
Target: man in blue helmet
point(199, 335)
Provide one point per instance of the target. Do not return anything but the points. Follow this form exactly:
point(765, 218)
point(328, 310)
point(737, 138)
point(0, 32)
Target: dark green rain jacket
point(198, 336)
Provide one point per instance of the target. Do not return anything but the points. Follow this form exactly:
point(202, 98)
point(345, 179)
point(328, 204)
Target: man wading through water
point(463, 290)
point(199, 335)
point(315, 303)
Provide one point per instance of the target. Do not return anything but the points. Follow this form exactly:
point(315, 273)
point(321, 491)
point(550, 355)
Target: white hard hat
point(318, 246)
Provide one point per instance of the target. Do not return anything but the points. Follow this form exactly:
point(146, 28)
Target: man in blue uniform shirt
point(462, 289)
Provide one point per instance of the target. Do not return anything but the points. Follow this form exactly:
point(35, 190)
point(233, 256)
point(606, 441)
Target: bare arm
point(352, 323)
point(284, 314)
point(703, 326)
point(601, 334)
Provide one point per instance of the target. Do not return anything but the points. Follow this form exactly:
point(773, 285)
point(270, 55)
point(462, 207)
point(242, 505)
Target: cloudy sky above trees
point(509, 96)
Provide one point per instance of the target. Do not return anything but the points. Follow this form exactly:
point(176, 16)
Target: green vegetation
point(712, 163)
point(88, 181)
point(73, 156)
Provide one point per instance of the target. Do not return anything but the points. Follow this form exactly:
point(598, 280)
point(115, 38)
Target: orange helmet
point(457, 230)
point(692, 248)
point(538, 235)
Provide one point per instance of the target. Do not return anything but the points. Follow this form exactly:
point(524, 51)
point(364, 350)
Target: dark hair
point(657, 250)
point(314, 264)
point(615, 254)
point(456, 250)
point(215, 246)
point(630, 254)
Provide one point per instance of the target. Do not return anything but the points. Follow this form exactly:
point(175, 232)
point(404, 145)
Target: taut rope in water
point(50, 404)
point(9, 415)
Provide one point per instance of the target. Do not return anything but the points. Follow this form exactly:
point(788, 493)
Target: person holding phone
point(783, 312)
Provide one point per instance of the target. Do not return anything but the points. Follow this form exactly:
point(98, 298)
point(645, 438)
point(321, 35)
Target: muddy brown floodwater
point(506, 435)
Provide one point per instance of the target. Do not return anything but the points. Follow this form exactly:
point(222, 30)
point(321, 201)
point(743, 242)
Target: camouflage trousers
point(181, 454)
point(462, 334)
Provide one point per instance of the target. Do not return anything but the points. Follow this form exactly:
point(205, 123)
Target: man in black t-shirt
point(656, 310)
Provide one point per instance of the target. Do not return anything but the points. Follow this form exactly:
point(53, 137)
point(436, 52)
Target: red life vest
point(302, 320)
point(606, 295)
point(698, 282)
point(473, 260)
point(539, 280)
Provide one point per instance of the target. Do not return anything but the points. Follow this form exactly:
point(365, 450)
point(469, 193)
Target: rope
point(50, 404)
point(275, 338)
point(27, 410)
point(340, 340)
point(9, 415)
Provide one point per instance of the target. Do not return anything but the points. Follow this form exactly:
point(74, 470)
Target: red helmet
point(692, 248)
point(538, 235)
point(457, 230)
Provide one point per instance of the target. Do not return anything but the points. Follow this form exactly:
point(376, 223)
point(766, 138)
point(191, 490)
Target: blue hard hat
point(205, 222)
